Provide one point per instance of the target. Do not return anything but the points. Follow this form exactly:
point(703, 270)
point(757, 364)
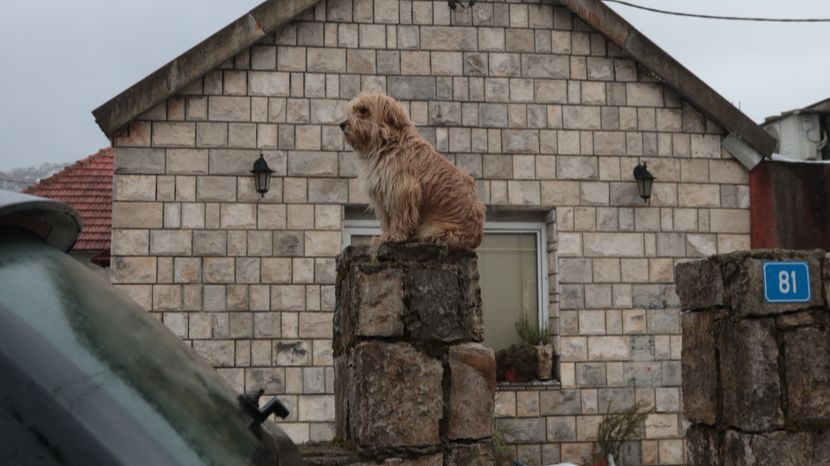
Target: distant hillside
point(19, 178)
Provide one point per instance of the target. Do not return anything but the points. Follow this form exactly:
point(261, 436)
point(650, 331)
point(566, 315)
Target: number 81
point(786, 282)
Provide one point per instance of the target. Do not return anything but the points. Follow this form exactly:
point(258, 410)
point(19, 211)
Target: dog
point(417, 193)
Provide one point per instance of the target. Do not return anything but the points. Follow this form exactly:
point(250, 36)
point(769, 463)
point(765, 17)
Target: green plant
point(617, 428)
point(500, 430)
point(532, 334)
point(516, 364)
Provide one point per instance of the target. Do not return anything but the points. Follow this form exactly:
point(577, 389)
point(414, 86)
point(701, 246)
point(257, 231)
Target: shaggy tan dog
point(416, 192)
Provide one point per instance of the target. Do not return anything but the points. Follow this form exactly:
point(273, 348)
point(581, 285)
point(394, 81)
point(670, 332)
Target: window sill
point(528, 386)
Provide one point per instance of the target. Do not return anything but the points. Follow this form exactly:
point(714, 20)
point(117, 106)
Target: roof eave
point(163, 83)
point(673, 74)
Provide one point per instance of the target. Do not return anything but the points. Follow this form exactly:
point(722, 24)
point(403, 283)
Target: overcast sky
point(61, 59)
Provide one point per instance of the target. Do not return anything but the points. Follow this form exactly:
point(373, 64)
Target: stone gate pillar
point(756, 374)
point(412, 380)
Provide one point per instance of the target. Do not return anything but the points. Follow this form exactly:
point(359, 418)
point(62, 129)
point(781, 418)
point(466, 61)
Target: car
point(88, 377)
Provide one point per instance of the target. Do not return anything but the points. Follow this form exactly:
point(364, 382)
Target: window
point(513, 268)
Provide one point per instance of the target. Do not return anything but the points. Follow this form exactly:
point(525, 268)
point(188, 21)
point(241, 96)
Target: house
point(802, 133)
point(85, 185)
point(790, 193)
point(549, 105)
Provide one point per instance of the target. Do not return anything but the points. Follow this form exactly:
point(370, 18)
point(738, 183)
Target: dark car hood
point(92, 366)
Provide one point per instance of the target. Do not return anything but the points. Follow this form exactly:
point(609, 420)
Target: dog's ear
point(393, 114)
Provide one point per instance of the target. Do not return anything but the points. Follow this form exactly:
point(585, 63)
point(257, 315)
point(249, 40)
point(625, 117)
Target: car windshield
point(121, 351)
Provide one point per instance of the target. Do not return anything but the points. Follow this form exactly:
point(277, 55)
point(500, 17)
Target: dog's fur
point(417, 193)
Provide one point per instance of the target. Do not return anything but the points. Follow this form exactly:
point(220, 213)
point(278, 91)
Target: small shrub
point(532, 334)
point(516, 364)
point(616, 429)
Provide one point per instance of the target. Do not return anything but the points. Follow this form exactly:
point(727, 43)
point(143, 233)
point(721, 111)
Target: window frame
point(367, 227)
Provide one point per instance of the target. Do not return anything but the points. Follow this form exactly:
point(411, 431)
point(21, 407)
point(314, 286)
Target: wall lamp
point(644, 180)
point(262, 175)
point(456, 3)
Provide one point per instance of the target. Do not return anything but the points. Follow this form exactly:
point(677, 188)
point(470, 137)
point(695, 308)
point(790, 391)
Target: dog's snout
point(343, 125)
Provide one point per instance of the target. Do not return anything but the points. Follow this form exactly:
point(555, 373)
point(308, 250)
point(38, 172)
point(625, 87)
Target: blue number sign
point(786, 282)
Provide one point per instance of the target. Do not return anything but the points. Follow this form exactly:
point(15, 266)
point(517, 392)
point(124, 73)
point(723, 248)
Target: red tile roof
point(85, 185)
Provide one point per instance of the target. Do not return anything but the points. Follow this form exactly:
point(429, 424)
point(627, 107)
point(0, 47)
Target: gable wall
point(541, 110)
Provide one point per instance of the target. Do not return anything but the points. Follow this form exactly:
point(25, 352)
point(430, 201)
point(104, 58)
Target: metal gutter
point(673, 74)
point(196, 62)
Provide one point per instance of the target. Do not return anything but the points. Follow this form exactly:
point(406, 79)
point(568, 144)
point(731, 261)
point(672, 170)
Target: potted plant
point(516, 364)
point(614, 430)
point(539, 338)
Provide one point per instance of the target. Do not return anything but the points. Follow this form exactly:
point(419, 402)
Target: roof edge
point(163, 83)
point(675, 75)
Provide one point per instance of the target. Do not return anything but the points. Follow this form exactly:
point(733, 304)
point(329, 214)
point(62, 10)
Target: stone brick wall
point(756, 374)
point(412, 379)
point(542, 111)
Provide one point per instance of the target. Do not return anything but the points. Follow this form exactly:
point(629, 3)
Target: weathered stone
point(436, 307)
point(545, 66)
point(699, 363)
point(807, 374)
point(523, 430)
point(448, 38)
point(472, 391)
point(774, 448)
point(559, 402)
point(411, 87)
point(704, 446)
point(471, 454)
point(750, 385)
point(380, 308)
point(743, 275)
point(384, 410)
point(137, 160)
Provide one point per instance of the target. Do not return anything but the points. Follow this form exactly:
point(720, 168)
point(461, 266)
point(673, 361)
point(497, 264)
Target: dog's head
point(373, 120)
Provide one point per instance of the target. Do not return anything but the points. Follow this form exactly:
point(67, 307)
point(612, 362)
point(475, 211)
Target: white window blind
point(513, 275)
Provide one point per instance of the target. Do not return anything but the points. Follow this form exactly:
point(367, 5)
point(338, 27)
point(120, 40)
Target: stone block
point(137, 215)
point(750, 385)
point(445, 113)
point(470, 454)
point(704, 446)
point(292, 353)
point(448, 38)
point(325, 60)
point(583, 117)
point(288, 243)
point(386, 412)
point(380, 309)
point(743, 277)
point(517, 141)
point(133, 270)
point(238, 216)
point(559, 402)
point(271, 83)
point(170, 242)
point(224, 108)
point(210, 243)
point(472, 391)
point(774, 448)
point(546, 66)
point(699, 361)
point(613, 244)
point(411, 87)
point(174, 134)
point(139, 160)
point(699, 284)
point(807, 374)
point(523, 430)
point(644, 94)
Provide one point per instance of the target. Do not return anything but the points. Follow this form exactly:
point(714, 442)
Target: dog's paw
point(388, 238)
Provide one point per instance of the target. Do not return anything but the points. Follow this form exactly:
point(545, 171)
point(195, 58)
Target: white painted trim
point(370, 227)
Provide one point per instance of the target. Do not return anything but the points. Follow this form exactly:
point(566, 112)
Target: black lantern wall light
point(262, 175)
point(644, 180)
